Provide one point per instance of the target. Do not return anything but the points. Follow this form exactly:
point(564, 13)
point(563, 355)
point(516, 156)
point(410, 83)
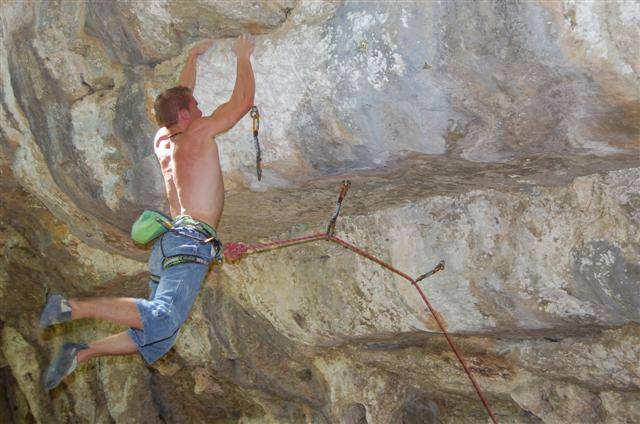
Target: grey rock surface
point(502, 137)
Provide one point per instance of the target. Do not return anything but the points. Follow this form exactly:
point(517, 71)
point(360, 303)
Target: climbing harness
point(151, 225)
point(255, 115)
point(186, 220)
point(235, 251)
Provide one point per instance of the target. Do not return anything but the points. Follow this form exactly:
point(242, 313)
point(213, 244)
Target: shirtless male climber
point(190, 164)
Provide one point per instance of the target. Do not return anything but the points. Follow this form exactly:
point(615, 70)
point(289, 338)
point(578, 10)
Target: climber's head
point(176, 106)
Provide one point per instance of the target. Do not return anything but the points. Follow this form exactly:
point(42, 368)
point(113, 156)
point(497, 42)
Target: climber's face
point(194, 110)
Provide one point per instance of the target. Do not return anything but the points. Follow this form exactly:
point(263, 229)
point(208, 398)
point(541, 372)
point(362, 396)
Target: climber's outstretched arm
point(188, 74)
point(229, 113)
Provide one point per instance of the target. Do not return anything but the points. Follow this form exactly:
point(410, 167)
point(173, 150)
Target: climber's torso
point(192, 176)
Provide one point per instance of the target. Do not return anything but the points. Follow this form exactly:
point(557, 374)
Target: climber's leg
point(117, 344)
point(121, 310)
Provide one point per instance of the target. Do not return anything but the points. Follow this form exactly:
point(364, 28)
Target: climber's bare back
point(197, 188)
point(187, 150)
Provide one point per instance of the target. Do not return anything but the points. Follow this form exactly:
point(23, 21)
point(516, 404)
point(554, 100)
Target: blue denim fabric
point(170, 299)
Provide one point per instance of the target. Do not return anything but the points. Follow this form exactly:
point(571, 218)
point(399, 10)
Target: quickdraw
point(331, 228)
point(255, 115)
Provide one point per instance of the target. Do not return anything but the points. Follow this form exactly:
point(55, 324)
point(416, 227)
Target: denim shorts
point(171, 297)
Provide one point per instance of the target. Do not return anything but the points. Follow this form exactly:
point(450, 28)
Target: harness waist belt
point(203, 227)
point(182, 259)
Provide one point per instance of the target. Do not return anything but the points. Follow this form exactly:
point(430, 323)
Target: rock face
point(502, 137)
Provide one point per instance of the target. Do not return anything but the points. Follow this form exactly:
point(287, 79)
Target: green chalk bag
point(149, 226)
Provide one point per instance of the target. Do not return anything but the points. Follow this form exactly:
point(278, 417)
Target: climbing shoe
point(56, 310)
point(64, 364)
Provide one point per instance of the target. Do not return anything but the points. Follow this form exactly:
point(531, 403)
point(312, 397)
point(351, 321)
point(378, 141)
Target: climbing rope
point(235, 251)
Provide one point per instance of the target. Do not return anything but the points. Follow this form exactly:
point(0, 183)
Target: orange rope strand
point(277, 244)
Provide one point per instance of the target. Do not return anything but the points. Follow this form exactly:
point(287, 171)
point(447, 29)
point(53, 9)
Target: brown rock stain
point(622, 121)
point(432, 324)
point(490, 367)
